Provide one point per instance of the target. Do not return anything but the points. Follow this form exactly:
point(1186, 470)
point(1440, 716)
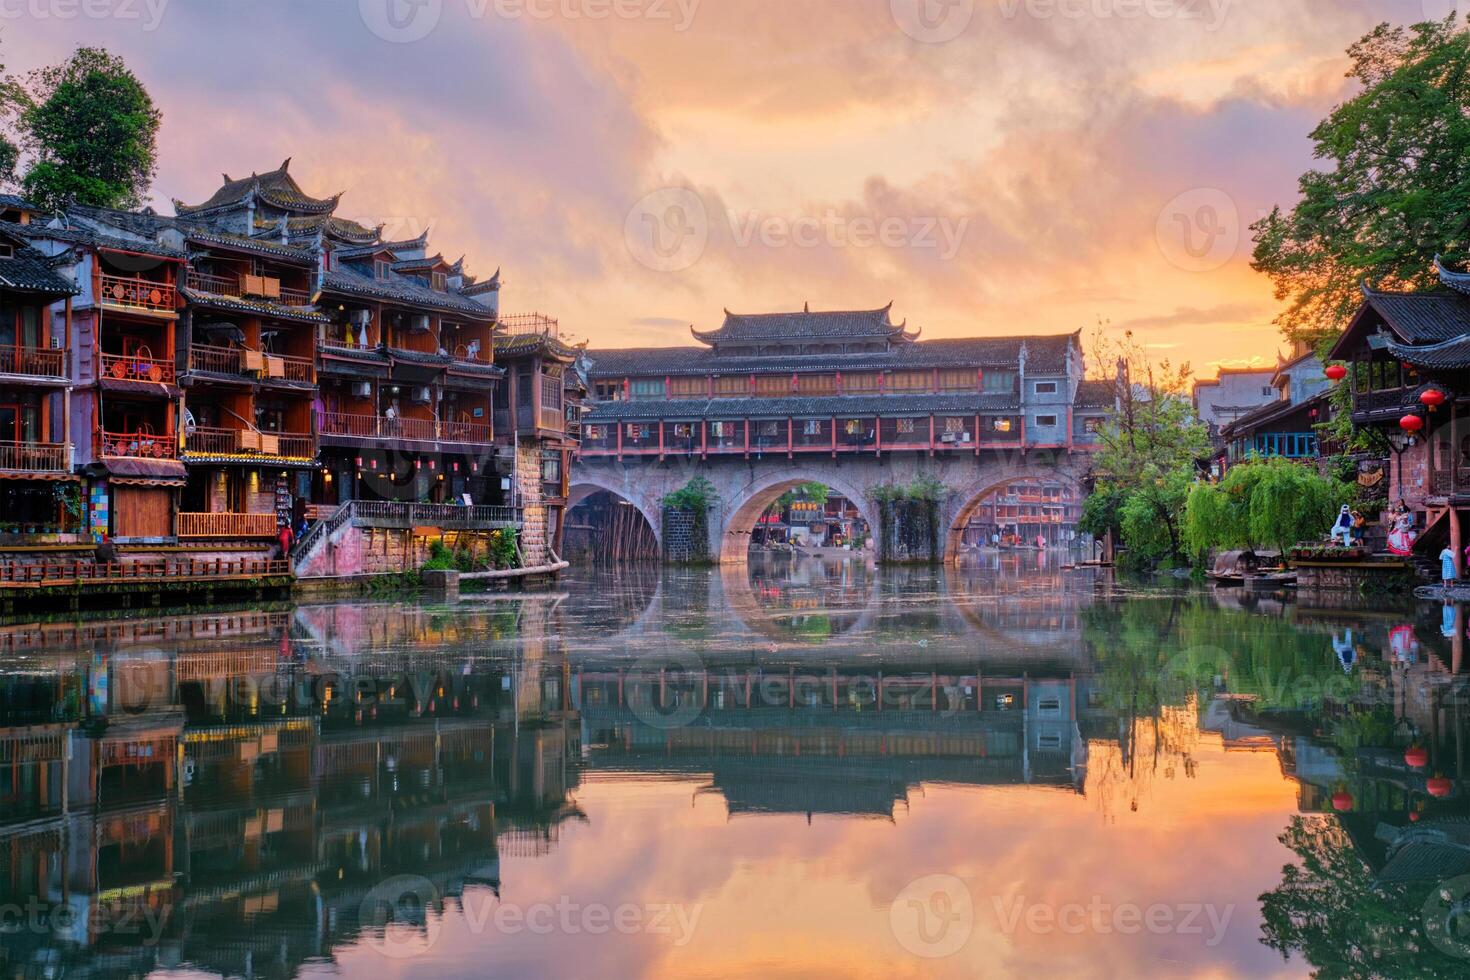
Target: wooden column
point(1456, 542)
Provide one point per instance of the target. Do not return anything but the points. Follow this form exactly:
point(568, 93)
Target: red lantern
point(1432, 398)
point(1414, 817)
point(1342, 801)
point(1417, 757)
point(1439, 787)
point(1411, 423)
point(1336, 372)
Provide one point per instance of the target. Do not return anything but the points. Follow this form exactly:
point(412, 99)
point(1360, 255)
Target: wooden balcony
point(529, 325)
point(137, 445)
point(139, 368)
point(240, 287)
point(217, 360)
point(214, 441)
point(232, 526)
point(32, 362)
point(411, 430)
point(138, 296)
point(244, 363)
point(31, 575)
point(35, 457)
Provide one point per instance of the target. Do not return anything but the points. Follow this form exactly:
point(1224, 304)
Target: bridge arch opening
point(792, 515)
point(605, 527)
point(1024, 511)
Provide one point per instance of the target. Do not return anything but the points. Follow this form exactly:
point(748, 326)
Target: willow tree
point(1264, 501)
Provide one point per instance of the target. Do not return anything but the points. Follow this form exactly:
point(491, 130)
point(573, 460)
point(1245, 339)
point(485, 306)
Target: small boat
point(1234, 567)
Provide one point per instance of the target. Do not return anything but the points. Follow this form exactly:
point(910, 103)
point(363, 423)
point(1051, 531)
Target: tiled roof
point(13, 202)
point(523, 345)
point(831, 406)
point(834, 325)
point(420, 265)
point(1449, 355)
point(144, 223)
point(275, 187)
point(1097, 394)
point(257, 246)
point(92, 239)
point(406, 291)
point(30, 270)
point(235, 304)
point(1271, 412)
point(373, 248)
point(479, 288)
point(306, 226)
point(1423, 318)
point(1044, 356)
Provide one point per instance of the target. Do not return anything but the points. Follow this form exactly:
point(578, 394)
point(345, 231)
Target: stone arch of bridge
point(968, 500)
point(585, 485)
point(745, 509)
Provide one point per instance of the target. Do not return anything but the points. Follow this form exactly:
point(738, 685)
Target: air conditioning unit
point(360, 318)
point(966, 438)
point(362, 389)
point(949, 438)
point(422, 396)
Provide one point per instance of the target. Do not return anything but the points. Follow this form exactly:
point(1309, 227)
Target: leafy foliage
point(1392, 196)
point(1262, 502)
point(697, 496)
point(91, 132)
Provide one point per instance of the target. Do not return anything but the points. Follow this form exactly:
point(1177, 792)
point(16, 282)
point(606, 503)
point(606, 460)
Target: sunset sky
point(636, 166)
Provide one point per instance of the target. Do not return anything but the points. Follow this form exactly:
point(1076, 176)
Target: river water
point(789, 770)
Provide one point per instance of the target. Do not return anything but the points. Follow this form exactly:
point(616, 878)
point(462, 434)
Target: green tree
point(1152, 516)
point(91, 133)
point(1392, 195)
point(1269, 501)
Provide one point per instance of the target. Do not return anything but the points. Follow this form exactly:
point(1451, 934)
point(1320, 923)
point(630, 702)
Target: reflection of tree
point(1331, 911)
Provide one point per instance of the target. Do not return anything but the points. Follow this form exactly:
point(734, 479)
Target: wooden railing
point(241, 362)
point(261, 286)
point(34, 457)
point(393, 513)
point(416, 430)
point(287, 368)
point(228, 526)
point(40, 362)
point(28, 574)
point(137, 294)
point(216, 360)
point(137, 445)
point(213, 441)
point(144, 369)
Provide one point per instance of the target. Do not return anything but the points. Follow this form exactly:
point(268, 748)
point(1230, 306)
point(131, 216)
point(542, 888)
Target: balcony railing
point(867, 434)
point(392, 513)
point(35, 457)
point(216, 360)
point(142, 368)
point(137, 294)
point(530, 325)
point(137, 445)
point(213, 441)
point(36, 362)
point(242, 362)
point(258, 286)
point(228, 526)
point(159, 570)
point(416, 430)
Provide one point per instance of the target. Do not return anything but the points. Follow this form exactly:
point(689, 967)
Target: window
point(636, 432)
point(958, 379)
point(596, 432)
point(853, 427)
point(910, 381)
point(438, 282)
point(683, 430)
point(382, 269)
point(773, 385)
point(1051, 705)
point(817, 384)
point(736, 386)
point(648, 390)
point(861, 382)
point(769, 430)
point(688, 387)
point(1046, 421)
point(1002, 425)
point(1268, 391)
point(811, 427)
point(905, 427)
point(1046, 387)
point(954, 425)
point(1092, 426)
point(999, 381)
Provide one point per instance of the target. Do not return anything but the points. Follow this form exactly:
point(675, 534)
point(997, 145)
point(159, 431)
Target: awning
point(44, 477)
point(139, 481)
point(155, 472)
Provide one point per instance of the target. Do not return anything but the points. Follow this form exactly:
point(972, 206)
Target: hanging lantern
point(1342, 801)
point(1439, 787)
point(1411, 423)
point(1417, 757)
point(1414, 816)
point(1433, 398)
point(1335, 372)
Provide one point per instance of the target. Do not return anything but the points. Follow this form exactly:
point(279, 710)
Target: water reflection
point(783, 748)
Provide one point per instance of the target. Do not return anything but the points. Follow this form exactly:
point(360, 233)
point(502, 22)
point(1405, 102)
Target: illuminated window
point(1002, 425)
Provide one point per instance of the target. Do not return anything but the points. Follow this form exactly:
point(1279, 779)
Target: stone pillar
point(534, 544)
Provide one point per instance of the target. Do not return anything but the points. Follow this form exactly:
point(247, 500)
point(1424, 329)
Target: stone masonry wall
point(534, 545)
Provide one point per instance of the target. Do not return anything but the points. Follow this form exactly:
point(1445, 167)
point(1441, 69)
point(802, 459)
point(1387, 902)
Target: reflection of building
point(1023, 512)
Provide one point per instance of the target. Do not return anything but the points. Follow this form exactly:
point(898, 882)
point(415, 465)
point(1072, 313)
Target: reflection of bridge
point(849, 400)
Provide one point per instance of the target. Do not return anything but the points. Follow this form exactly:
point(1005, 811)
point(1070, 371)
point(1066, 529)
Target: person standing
point(1447, 566)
